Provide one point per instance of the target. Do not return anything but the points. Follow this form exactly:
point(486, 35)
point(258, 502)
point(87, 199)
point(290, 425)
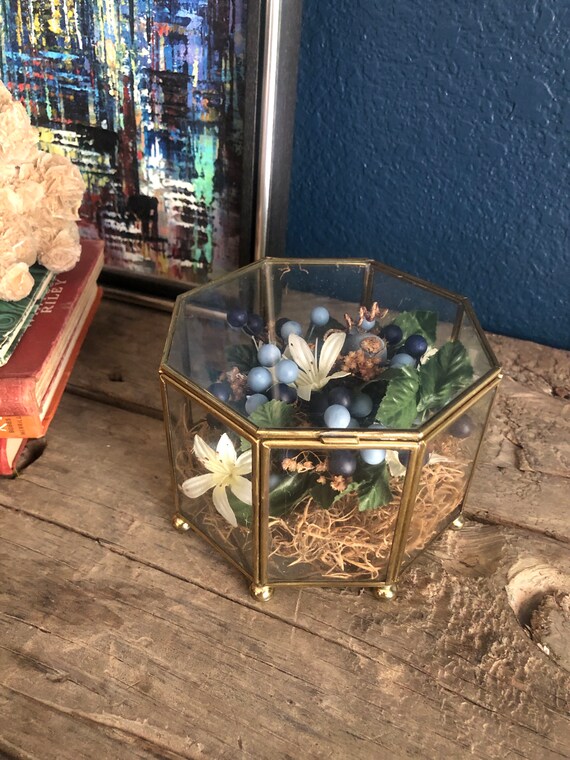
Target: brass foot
point(387, 593)
point(458, 523)
point(180, 522)
point(261, 593)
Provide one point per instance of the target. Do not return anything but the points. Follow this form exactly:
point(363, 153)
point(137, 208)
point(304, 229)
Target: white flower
point(63, 252)
point(397, 469)
point(16, 282)
point(226, 470)
point(63, 185)
point(313, 371)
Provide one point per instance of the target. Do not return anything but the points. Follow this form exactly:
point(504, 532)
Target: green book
point(15, 316)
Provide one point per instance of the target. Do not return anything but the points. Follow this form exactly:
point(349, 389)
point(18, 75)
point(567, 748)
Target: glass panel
point(469, 336)
point(418, 328)
point(213, 475)
point(400, 295)
point(203, 341)
point(312, 336)
point(445, 475)
point(299, 287)
point(332, 514)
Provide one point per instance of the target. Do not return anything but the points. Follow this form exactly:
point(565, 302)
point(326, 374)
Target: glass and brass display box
point(323, 419)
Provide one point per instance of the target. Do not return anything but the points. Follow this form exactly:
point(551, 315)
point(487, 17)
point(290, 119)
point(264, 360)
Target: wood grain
point(121, 638)
point(120, 357)
point(147, 641)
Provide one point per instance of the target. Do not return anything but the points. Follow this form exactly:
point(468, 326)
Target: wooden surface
point(121, 638)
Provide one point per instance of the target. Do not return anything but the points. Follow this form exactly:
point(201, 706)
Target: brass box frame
point(264, 440)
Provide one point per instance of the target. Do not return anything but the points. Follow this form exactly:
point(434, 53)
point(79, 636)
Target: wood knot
point(539, 595)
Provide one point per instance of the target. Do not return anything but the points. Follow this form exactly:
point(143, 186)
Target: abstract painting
point(147, 97)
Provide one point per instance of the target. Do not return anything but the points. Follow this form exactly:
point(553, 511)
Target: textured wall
point(434, 136)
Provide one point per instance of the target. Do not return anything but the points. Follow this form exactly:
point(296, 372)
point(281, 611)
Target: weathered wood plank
point(523, 477)
point(535, 366)
point(149, 625)
point(119, 360)
point(112, 642)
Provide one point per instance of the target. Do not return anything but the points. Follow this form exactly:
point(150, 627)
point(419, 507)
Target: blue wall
point(434, 135)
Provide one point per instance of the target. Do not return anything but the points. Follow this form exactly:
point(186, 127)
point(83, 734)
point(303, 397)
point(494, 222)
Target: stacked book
point(40, 338)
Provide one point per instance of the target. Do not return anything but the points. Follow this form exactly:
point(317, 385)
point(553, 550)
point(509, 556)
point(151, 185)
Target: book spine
point(19, 410)
point(20, 426)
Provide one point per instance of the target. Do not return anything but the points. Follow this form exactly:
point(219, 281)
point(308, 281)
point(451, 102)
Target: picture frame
point(191, 180)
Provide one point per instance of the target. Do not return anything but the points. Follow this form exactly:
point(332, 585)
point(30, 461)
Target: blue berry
point(259, 379)
point(237, 317)
point(287, 371)
point(354, 423)
point(340, 395)
point(279, 324)
point(416, 346)
point(403, 360)
point(373, 456)
point(462, 427)
point(320, 316)
point(254, 401)
point(337, 416)
point(283, 392)
point(361, 405)
point(222, 390)
point(268, 355)
point(367, 324)
point(404, 457)
point(342, 463)
point(291, 327)
point(392, 334)
point(255, 325)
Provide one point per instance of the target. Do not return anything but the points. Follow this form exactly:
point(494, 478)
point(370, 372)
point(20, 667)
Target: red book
point(11, 448)
point(14, 460)
point(25, 379)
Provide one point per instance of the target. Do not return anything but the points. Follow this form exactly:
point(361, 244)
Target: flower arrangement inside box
point(323, 418)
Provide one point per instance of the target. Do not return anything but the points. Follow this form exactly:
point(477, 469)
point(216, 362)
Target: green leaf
point(375, 492)
point(417, 323)
point(287, 493)
point(351, 488)
point(243, 356)
point(399, 407)
point(273, 414)
point(444, 375)
point(281, 499)
point(245, 445)
point(242, 511)
point(324, 495)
